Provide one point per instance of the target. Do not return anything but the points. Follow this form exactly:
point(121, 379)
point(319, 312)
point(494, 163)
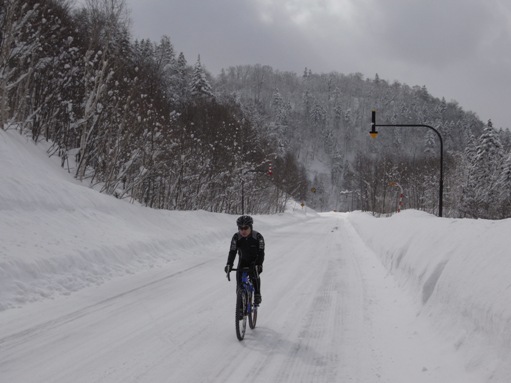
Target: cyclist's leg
point(238, 279)
point(239, 305)
point(257, 289)
point(257, 285)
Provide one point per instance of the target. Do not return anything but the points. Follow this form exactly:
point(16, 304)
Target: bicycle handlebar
point(248, 269)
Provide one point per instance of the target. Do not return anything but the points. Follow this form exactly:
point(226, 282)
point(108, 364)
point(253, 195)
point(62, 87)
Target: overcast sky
point(458, 49)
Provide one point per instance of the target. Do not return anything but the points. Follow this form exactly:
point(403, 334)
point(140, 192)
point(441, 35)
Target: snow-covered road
point(330, 313)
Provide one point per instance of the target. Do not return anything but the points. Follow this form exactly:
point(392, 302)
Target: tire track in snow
point(314, 312)
point(14, 339)
point(321, 321)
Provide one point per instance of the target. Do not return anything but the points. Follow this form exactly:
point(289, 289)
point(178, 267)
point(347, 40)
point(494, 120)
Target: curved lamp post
point(374, 134)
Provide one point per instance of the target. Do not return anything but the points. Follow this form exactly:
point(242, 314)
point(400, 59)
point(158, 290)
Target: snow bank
point(58, 236)
point(458, 271)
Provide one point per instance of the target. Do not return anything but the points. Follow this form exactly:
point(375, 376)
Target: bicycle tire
point(252, 315)
point(241, 314)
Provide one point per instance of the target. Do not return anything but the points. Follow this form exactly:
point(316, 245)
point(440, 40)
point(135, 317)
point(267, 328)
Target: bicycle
point(245, 306)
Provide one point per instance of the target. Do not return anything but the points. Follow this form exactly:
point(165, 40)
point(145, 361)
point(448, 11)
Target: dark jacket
point(250, 249)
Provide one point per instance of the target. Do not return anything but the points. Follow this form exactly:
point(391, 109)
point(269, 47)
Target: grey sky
point(459, 49)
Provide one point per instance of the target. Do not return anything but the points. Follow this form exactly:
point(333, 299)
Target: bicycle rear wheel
point(252, 315)
point(241, 314)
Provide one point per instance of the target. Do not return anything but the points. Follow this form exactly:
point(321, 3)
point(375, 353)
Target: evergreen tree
point(166, 64)
point(164, 55)
point(504, 187)
point(182, 79)
point(486, 170)
point(200, 87)
point(280, 109)
point(468, 183)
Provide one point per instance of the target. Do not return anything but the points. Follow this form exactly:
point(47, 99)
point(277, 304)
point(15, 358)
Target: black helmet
point(245, 220)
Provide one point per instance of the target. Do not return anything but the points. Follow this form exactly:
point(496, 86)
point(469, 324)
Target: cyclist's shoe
point(257, 299)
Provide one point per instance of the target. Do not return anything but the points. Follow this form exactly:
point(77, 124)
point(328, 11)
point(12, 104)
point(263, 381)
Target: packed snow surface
point(96, 289)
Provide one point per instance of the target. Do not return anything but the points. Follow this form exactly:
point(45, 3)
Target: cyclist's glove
point(227, 269)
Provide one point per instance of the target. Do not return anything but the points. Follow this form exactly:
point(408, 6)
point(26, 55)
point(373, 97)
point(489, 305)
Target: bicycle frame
point(246, 281)
point(248, 286)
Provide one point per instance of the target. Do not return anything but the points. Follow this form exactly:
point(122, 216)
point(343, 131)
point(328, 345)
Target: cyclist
point(249, 244)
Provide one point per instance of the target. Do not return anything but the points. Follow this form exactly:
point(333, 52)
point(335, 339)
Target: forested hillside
point(136, 120)
point(325, 120)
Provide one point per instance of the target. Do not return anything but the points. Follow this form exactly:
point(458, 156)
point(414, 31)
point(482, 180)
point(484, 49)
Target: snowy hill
point(95, 289)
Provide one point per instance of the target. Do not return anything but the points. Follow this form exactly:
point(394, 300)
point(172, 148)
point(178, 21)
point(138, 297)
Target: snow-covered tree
point(504, 188)
point(200, 86)
point(486, 170)
point(19, 41)
point(166, 63)
point(106, 23)
point(182, 78)
point(281, 110)
point(165, 56)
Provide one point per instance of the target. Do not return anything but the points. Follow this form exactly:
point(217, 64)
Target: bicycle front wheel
point(241, 314)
